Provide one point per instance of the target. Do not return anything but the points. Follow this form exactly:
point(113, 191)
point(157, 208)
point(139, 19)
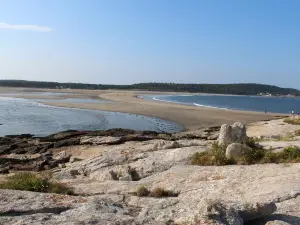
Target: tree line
point(236, 89)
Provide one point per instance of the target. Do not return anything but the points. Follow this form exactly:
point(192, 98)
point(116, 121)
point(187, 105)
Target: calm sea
point(247, 103)
point(19, 116)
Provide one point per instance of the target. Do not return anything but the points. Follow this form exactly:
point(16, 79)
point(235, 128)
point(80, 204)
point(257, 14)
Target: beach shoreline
point(190, 117)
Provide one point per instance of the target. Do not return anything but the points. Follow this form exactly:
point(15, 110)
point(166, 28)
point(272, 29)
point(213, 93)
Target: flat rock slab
point(271, 128)
point(278, 145)
point(32, 208)
point(243, 187)
point(99, 140)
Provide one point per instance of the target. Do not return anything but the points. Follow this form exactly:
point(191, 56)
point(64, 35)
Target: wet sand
point(190, 117)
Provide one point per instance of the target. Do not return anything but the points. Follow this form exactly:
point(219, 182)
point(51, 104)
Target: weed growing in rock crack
point(27, 181)
point(157, 192)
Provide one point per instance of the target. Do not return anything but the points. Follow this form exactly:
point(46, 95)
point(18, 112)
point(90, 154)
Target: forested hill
point(238, 89)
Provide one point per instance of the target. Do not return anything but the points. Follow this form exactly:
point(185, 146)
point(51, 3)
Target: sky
point(132, 41)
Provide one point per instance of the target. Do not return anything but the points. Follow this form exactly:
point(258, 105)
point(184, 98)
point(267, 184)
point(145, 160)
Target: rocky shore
point(108, 169)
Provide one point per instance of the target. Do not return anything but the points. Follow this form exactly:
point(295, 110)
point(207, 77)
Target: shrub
point(26, 181)
point(214, 156)
point(256, 155)
point(292, 121)
point(290, 154)
point(142, 191)
point(253, 156)
point(160, 192)
point(270, 157)
point(251, 142)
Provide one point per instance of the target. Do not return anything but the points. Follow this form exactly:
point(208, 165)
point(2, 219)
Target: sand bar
point(190, 117)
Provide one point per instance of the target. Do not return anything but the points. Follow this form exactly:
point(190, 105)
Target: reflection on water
point(19, 116)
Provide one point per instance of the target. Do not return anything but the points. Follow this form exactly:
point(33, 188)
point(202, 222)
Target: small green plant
point(26, 181)
point(295, 121)
point(270, 157)
point(214, 156)
point(253, 156)
point(290, 154)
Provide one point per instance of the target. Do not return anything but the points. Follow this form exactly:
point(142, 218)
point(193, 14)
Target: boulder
point(238, 132)
point(225, 135)
point(251, 212)
point(236, 150)
point(235, 133)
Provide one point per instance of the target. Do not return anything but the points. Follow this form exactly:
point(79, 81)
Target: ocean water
point(19, 116)
point(247, 103)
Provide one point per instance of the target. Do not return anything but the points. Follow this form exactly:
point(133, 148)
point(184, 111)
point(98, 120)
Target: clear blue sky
point(130, 41)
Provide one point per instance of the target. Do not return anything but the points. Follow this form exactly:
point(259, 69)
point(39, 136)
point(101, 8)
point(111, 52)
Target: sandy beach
point(126, 101)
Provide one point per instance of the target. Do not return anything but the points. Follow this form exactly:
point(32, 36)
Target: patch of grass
point(290, 120)
point(256, 155)
point(27, 181)
point(213, 157)
point(157, 192)
point(252, 157)
point(270, 157)
point(290, 154)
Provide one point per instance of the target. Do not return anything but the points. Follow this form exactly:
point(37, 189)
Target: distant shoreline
point(208, 106)
point(233, 88)
point(190, 117)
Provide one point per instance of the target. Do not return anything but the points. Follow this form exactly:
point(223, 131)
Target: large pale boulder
point(225, 135)
point(235, 133)
point(236, 150)
point(238, 132)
